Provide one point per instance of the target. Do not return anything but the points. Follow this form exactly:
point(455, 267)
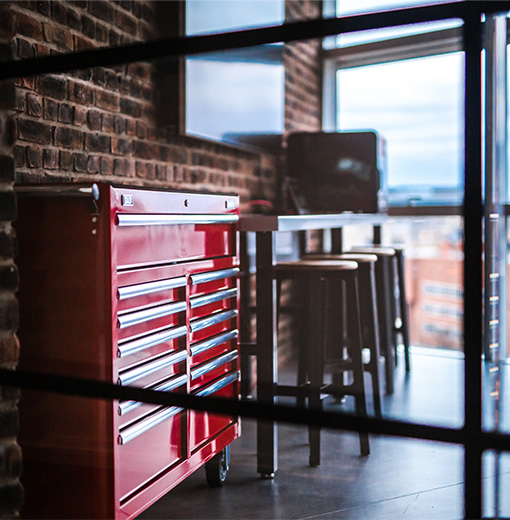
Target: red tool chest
point(137, 287)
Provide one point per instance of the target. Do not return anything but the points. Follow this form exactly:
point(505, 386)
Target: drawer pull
point(215, 363)
point(199, 301)
point(130, 376)
point(133, 318)
point(213, 275)
point(128, 406)
point(130, 347)
point(212, 320)
point(131, 219)
point(140, 289)
point(213, 342)
point(137, 429)
point(218, 385)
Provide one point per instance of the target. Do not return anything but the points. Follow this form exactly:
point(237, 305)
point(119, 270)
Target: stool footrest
point(248, 348)
point(293, 390)
point(334, 390)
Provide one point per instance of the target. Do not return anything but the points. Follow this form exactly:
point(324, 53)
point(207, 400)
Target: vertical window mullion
point(473, 214)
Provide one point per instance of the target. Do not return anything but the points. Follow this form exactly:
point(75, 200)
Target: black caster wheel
point(217, 468)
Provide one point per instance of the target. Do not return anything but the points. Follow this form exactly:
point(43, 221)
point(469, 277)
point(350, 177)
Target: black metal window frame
point(471, 435)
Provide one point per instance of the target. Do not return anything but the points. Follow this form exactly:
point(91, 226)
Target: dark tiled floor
point(401, 478)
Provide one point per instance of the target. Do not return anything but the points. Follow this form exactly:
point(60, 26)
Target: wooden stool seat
point(316, 265)
point(373, 250)
point(353, 257)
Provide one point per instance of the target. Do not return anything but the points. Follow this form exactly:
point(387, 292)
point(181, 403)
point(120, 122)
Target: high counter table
point(265, 227)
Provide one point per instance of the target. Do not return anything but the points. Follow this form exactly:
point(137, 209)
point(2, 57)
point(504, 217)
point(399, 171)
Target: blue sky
point(417, 106)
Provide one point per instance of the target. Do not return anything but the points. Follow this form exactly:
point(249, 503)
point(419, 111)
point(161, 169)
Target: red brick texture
point(11, 492)
point(112, 124)
point(106, 124)
point(303, 81)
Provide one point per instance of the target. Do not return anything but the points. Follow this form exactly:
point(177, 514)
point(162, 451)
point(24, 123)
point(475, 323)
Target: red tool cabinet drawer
point(213, 369)
point(151, 293)
point(139, 348)
point(208, 303)
point(152, 239)
point(148, 319)
point(130, 411)
point(213, 347)
point(204, 425)
point(148, 447)
point(154, 370)
point(210, 281)
point(215, 323)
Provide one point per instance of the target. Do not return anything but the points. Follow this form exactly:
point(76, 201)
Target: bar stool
point(390, 278)
point(368, 314)
point(314, 276)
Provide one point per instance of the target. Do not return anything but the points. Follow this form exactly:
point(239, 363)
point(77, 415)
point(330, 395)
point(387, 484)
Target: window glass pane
point(496, 479)
point(210, 16)
point(416, 105)
point(226, 98)
point(350, 7)
point(507, 194)
point(235, 94)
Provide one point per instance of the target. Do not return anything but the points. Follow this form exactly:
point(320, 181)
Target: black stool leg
point(404, 312)
point(317, 291)
point(303, 352)
point(303, 357)
point(354, 325)
point(395, 304)
point(384, 305)
point(339, 325)
point(370, 322)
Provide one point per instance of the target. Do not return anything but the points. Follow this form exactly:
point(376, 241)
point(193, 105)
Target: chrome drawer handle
point(132, 219)
point(137, 373)
point(218, 362)
point(213, 342)
point(137, 345)
point(199, 301)
point(134, 431)
point(133, 318)
point(212, 320)
point(222, 383)
point(130, 291)
point(213, 275)
point(128, 406)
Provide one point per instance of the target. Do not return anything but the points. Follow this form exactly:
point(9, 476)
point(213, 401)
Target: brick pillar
point(11, 492)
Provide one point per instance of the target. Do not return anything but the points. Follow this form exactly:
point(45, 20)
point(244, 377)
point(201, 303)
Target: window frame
point(472, 436)
point(401, 48)
point(436, 43)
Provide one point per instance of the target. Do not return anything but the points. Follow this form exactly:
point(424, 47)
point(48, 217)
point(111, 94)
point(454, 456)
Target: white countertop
point(254, 222)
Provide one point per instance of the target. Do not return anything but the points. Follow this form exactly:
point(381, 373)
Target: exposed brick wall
point(303, 101)
point(11, 493)
point(106, 123)
point(114, 124)
point(303, 82)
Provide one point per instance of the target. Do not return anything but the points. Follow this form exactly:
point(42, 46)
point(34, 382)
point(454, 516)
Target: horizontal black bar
point(251, 409)
point(287, 32)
